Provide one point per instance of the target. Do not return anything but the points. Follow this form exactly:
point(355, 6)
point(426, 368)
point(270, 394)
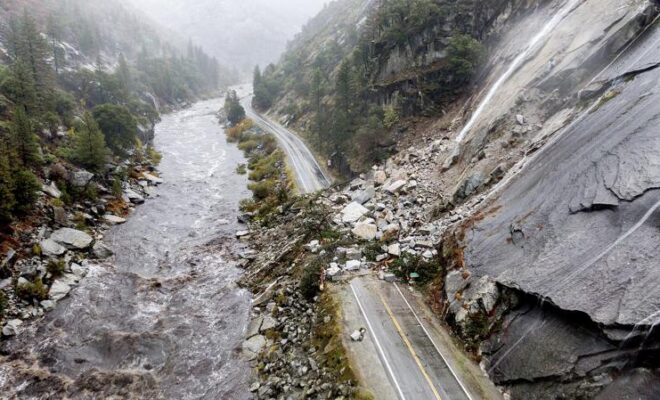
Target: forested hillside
point(363, 67)
point(81, 89)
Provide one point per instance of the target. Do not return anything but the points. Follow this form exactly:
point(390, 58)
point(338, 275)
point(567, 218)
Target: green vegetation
point(409, 263)
point(35, 290)
point(234, 109)
point(118, 126)
point(270, 182)
point(352, 105)
point(45, 92)
point(3, 303)
point(88, 144)
point(311, 278)
point(56, 267)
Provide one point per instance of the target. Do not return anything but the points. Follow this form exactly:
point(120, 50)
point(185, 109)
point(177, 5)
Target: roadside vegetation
point(270, 180)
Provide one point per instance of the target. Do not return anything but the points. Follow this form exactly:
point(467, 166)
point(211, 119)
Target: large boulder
point(49, 248)
point(365, 231)
point(51, 190)
point(80, 178)
point(72, 238)
point(12, 327)
point(353, 212)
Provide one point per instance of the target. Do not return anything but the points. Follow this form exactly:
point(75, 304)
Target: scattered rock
point(12, 327)
point(113, 219)
point(59, 289)
point(47, 305)
point(51, 248)
point(133, 196)
point(72, 238)
point(358, 335)
point(353, 212)
point(380, 177)
point(154, 180)
point(395, 187)
point(365, 231)
point(60, 217)
point(242, 234)
point(353, 265)
point(253, 346)
point(51, 190)
point(520, 119)
point(101, 251)
point(394, 249)
point(80, 178)
point(364, 195)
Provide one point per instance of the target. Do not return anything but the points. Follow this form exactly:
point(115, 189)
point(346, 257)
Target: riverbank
point(47, 253)
point(143, 322)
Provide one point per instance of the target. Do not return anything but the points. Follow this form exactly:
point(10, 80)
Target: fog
point(240, 33)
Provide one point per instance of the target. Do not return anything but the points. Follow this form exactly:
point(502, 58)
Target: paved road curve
point(309, 174)
point(413, 361)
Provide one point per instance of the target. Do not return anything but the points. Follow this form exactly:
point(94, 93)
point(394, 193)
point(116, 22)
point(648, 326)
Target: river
point(164, 320)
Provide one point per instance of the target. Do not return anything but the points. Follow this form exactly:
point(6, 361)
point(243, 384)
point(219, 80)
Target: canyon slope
point(546, 172)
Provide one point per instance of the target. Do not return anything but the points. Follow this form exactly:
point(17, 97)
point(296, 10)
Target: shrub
point(26, 189)
point(116, 188)
point(3, 303)
point(408, 263)
point(154, 156)
point(35, 290)
point(56, 267)
point(118, 126)
point(311, 279)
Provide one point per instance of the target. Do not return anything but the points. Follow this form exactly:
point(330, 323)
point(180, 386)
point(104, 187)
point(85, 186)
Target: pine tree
point(26, 188)
point(124, 73)
point(7, 200)
point(88, 148)
point(34, 51)
point(20, 87)
point(54, 30)
point(23, 140)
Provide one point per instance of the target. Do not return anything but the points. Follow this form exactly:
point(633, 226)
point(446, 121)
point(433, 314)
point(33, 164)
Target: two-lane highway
point(412, 360)
point(309, 174)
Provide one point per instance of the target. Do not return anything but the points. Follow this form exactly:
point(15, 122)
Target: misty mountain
point(227, 29)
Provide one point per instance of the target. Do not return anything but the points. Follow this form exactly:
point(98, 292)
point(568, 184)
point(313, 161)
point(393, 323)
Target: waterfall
point(531, 46)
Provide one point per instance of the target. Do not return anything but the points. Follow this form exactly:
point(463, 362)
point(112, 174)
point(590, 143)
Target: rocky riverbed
point(165, 307)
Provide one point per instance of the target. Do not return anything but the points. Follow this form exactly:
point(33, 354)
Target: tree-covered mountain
point(360, 66)
point(80, 85)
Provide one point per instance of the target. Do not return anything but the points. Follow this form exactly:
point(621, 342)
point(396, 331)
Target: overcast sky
point(242, 33)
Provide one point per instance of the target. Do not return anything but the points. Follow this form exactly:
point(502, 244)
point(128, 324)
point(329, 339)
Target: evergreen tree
point(26, 187)
point(124, 73)
point(118, 126)
point(34, 51)
point(233, 108)
point(316, 92)
point(7, 200)
point(23, 140)
point(88, 148)
point(20, 87)
point(54, 30)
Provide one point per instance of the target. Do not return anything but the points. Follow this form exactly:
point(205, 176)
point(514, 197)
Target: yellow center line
point(409, 346)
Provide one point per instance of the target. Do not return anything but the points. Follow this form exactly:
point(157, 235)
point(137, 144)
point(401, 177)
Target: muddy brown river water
point(165, 318)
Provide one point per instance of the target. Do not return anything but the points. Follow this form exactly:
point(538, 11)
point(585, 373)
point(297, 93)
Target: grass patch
point(410, 263)
point(56, 267)
point(35, 290)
